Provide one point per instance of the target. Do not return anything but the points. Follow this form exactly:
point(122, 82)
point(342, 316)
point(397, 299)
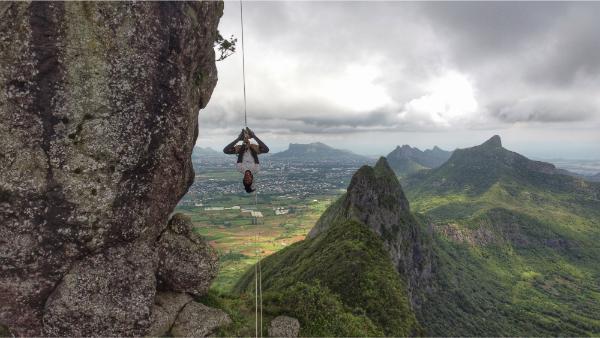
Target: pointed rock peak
point(494, 141)
point(382, 166)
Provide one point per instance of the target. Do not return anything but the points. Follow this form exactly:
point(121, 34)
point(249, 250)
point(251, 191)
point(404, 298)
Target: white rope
point(257, 267)
point(257, 277)
point(243, 63)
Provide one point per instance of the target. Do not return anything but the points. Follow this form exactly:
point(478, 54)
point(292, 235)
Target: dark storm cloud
point(527, 61)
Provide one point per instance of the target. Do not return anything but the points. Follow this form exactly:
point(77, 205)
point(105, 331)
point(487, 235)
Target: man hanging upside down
point(247, 152)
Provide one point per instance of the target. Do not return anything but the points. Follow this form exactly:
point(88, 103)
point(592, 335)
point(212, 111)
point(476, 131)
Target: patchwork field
point(241, 238)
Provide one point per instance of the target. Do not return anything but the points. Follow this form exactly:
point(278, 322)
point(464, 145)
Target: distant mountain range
point(318, 152)
point(492, 244)
point(476, 169)
point(407, 160)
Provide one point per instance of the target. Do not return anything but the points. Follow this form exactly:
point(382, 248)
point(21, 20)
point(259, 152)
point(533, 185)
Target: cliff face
point(98, 118)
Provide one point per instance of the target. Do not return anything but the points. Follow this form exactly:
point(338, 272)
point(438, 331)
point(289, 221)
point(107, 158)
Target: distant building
point(281, 211)
point(214, 209)
point(257, 217)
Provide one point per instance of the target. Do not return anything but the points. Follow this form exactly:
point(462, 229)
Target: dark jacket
point(230, 149)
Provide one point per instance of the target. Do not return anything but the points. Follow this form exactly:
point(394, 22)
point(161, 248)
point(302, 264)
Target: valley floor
point(239, 241)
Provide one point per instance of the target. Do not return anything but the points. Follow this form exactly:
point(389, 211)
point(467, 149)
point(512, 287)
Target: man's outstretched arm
point(230, 148)
point(262, 147)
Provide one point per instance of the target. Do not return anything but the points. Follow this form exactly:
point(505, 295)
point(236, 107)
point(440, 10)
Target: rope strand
point(257, 267)
point(243, 63)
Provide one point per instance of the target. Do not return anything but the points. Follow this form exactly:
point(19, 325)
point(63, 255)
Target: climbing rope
point(257, 277)
point(257, 268)
point(243, 63)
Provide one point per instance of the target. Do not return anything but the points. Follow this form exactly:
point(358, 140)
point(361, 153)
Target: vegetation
point(349, 263)
point(515, 247)
point(225, 47)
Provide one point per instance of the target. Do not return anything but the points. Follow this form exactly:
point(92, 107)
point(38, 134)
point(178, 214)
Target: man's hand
point(250, 132)
point(241, 136)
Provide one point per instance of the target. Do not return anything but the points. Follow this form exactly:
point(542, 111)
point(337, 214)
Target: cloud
point(319, 68)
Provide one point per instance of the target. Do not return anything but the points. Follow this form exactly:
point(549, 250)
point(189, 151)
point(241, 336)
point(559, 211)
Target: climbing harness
point(257, 267)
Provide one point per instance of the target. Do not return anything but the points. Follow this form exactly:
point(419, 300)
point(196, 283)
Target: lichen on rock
point(165, 310)
point(186, 262)
point(198, 320)
point(110, 292)
point(98, 118)
point(284, 326)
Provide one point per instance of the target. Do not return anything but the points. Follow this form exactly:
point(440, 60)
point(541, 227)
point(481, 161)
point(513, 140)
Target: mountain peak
point(382, 168)
point(494, 142)
point(406, 159)
point(374, 197)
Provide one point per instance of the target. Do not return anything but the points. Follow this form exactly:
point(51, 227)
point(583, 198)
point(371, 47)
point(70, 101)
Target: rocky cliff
point(375, 198)
point(98, 118)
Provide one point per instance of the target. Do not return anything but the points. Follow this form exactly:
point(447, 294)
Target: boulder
point(111, 292)
point(198, 320)
point(187, 263)
point(167, 306)
point(99, 107)
point(284, 326)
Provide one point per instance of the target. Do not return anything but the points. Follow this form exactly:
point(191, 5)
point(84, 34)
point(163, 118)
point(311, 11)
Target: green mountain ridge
point(348, 255)
point(407, 160)
point(515, 246)
point(474, 170)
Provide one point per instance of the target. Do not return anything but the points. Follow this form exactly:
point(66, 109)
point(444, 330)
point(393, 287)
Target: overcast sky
point(368, 76)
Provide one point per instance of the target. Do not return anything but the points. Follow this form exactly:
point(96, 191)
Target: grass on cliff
point(341, 283)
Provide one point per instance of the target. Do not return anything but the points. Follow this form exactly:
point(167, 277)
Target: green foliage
point(320, 311)
point(240, 309)
point(225, 47)
point(350, 261)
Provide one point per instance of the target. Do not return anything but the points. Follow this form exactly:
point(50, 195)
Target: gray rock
point(186, 262)
point(111, 292)
point(99, 108)
point(198, 320)
point(284, 326)
point(167, 306)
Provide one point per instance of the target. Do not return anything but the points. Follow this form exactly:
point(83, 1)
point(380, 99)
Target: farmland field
point(239, 241)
